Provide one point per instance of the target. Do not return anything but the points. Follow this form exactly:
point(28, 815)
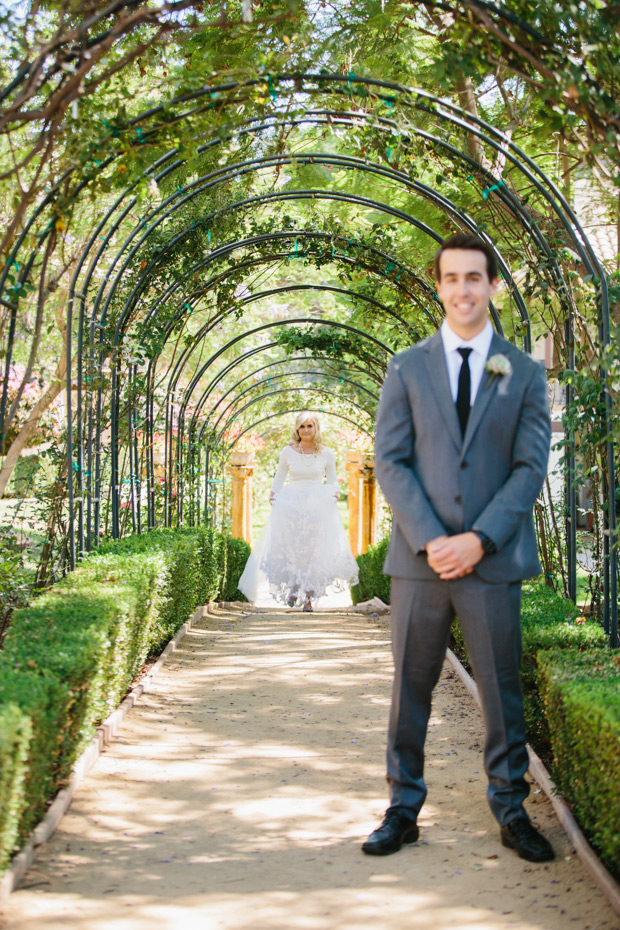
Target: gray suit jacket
point(436, 482)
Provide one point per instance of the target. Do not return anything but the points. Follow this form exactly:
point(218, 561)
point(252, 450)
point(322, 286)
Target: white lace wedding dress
point(303, 550)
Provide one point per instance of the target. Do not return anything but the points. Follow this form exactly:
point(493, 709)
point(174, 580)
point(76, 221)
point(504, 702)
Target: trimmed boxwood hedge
point(83, 637)
point(179, 585)
point(46, 702)
point(547, 621)
point(234, 559)
point(211, 564)
point(69, 658)
point(15, 736)
point(372, 581)
point(581, 695)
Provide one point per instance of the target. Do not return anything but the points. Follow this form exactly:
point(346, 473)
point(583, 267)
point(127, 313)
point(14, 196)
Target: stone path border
point(589, 858)
point(22, 861)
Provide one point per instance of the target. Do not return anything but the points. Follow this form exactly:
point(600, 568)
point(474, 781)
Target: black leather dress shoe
point(397, 828)
point(526, 841)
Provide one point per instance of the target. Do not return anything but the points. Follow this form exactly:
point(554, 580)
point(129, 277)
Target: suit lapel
point(486, 390)
point(435, 360)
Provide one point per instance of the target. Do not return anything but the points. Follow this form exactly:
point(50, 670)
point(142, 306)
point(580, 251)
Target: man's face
point(465, 290)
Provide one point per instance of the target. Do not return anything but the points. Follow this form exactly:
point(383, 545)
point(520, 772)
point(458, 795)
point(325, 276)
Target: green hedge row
point(581, 695)
point(548, 621)
point(237, 552)
point(571, 691)
point(372, 581)
point(69, 658)
point(15, 736)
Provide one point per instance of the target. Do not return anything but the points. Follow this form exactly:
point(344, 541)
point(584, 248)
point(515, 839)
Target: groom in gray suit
point(462, 444)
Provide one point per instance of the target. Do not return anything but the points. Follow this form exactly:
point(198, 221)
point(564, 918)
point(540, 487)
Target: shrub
point(372, 581)
point(147, 574)
point(179, 582)
point(77, 636)
point(547, 620)
point(211, 563)
point(15, 736)
point(222, 562)
point(46, 701)
point(237, 554)
point(69, 657)
point(179, 595)
point(581, 695)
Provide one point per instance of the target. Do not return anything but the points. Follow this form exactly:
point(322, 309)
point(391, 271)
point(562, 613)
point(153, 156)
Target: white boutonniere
point(497, 366)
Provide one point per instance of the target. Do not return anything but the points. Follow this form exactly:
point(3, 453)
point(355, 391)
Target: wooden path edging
point(605, 881)
point(22, 861)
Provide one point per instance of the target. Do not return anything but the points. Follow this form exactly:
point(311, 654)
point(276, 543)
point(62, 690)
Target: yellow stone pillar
point(355, 494)
point(247, 512)
point(241, 467)
point(369, 504)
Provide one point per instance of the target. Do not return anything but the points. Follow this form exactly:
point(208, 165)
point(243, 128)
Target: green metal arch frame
point(332, 413)
point(252, 426)
point(320, 374)
point(234, 341)
point(190, 444)
point(488, 135)
point(80, 469)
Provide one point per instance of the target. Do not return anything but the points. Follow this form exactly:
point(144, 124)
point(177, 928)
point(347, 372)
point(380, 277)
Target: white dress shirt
point(480, 345)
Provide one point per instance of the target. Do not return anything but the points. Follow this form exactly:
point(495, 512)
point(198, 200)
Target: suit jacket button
point(464, 464)
point(458, 499)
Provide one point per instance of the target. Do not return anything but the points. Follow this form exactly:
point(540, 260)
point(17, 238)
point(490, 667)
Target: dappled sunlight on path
point(240, 789)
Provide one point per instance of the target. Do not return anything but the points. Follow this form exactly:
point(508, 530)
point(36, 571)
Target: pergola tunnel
point(277, 269)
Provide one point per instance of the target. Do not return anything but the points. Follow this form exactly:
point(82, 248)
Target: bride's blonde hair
point(301, 418)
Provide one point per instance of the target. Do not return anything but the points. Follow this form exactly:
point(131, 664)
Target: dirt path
point(241, 787)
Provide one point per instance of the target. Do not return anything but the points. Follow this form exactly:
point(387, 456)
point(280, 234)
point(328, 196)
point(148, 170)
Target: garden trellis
point(146, 272)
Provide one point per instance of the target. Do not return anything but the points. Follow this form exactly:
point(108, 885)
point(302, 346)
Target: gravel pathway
point(240, 788)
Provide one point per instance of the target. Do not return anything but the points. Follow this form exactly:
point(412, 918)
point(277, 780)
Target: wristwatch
point(488, 546)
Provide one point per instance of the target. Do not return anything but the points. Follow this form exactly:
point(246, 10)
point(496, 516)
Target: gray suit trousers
point(489, 614)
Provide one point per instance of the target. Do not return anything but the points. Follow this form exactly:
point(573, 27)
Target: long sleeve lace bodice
point(300, 467)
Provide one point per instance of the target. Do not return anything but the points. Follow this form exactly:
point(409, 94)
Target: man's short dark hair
point(468, 241)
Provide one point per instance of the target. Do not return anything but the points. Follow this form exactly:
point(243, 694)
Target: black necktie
point(463, 395)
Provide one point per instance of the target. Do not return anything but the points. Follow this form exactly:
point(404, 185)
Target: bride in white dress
point(303, 550)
